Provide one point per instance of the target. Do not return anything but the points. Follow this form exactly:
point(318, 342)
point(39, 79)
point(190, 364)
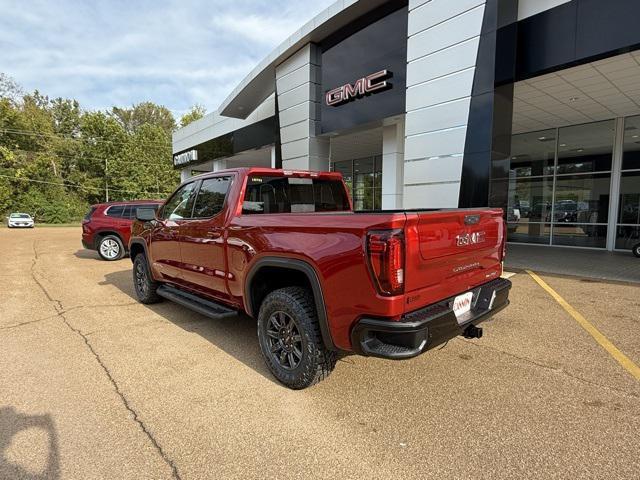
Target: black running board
point(205, 307)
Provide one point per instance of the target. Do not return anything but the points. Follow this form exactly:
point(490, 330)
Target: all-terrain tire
point(145, 287)
point(296, 305)
point(110, 248)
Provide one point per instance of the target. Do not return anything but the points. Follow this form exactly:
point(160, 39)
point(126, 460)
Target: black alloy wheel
point(143, 284)
point(285, 341)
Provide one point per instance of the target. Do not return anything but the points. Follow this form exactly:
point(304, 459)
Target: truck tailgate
point(451, 251)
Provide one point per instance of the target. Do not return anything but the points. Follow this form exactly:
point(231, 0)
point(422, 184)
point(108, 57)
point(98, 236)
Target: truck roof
point(270, 171)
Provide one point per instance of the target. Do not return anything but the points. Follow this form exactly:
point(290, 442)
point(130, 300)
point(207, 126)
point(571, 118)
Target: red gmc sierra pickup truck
point(322, 280)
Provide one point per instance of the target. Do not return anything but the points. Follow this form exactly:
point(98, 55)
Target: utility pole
point(106, 182)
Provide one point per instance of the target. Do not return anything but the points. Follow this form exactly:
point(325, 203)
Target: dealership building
point(528, 105)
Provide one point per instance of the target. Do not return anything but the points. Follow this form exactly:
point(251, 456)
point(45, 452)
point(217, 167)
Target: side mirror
point(145, 214)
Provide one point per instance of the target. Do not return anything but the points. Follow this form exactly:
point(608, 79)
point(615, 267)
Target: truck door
point(165, 246)
point(202, 239)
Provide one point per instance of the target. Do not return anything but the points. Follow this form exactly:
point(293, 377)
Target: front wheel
point(110, 248)
point(144, 285)
point(636, 250)
point(290, 338)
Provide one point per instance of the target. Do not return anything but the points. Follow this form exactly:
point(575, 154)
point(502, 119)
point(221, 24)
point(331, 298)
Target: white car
point(20, 220)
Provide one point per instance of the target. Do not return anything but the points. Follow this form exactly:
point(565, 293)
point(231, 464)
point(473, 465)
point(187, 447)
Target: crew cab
point(286, 248)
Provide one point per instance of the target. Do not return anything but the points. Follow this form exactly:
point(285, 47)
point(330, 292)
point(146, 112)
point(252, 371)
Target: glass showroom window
point(559, 185)
point(583, 184)
point(364, 181)
point(531, 187)
point(628, 220)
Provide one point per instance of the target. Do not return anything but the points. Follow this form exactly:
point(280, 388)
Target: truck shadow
point(236, 335)
point(13, 423)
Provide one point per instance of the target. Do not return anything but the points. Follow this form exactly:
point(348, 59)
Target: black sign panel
point(257, 135)
point(575, 33)
point(352, 64)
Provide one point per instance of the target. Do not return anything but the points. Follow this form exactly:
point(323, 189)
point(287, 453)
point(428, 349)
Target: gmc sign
point(376, 82)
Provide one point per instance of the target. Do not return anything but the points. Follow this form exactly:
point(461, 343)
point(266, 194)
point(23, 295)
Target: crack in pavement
point(22, 324)
point(70, 309)
point(57, 304)
point(553, 369)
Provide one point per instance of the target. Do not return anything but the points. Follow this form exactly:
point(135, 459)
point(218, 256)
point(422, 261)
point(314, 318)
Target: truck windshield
point(269, 194)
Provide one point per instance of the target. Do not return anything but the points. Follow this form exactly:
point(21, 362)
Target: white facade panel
point(295, 97)
point(442, 142)
point(437, 11)
point(416, 3)
point(299, 59)
point(431, 170)
point(449, 33)
point(443, 89)
point(296, 78)
point(438, 195)
point(295, 149)
point(453, 59)
point(298, 113)
point(444, 115)
point(297, 131)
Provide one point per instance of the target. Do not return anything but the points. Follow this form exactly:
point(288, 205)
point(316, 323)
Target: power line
point(32, 133)
point(79, 155)
point(82, 187)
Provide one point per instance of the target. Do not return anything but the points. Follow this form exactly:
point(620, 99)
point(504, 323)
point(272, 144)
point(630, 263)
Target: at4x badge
point(470, 239)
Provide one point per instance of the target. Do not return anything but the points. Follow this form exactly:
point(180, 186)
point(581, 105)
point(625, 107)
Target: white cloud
point(119, 52)
point(256, 28)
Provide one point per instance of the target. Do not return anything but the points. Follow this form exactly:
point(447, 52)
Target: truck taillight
point(385, 252)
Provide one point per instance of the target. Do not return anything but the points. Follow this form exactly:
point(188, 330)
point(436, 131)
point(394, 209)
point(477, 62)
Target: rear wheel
point(144, 285)
point(636, 250)
point(110, 248)
point(290, 338)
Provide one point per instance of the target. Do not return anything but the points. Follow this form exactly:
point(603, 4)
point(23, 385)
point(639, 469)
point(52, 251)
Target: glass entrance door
point(363, 177)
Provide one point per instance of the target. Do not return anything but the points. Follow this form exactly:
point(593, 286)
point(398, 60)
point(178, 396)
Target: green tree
point(196, 113)
point(144, 113)
point(56, 159)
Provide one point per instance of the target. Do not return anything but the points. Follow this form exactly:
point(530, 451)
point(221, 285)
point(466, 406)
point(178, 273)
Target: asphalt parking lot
point(95, 385)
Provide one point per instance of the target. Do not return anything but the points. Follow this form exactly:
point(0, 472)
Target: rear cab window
point(276, 194)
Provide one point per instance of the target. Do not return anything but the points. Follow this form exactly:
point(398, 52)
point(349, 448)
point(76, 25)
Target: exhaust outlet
point(472, 332)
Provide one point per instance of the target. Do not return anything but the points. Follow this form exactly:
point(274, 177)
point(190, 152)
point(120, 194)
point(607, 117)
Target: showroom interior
point(532, 106)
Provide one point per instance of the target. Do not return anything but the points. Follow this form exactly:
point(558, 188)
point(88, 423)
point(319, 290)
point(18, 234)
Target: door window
point(211, 196)
point(180, 205)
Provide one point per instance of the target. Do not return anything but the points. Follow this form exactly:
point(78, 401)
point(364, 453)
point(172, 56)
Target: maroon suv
point(107, 227)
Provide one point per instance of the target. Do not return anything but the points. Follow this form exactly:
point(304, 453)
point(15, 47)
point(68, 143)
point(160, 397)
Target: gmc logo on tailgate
point(470, 239)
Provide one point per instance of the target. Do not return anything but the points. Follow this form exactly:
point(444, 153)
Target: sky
point(112, 52)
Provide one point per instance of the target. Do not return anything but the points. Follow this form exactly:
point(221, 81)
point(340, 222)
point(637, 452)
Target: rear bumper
point(428, 327)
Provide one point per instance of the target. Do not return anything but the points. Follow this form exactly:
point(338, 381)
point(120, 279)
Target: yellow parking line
point(604, 342)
